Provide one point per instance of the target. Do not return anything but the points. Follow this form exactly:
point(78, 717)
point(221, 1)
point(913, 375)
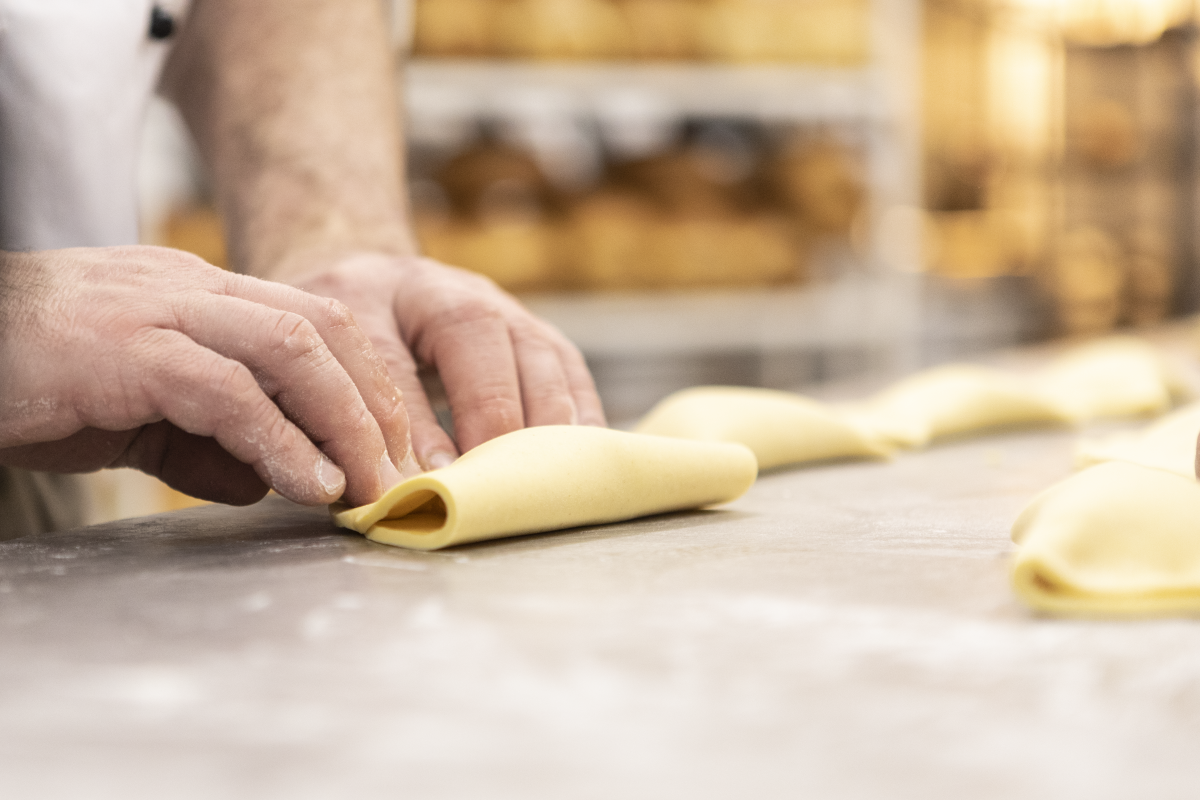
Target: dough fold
point(958, 399)
point(1114, 539)
point(548, 478)
point(779, 427)
point(1168, 444)
point(1115, 377)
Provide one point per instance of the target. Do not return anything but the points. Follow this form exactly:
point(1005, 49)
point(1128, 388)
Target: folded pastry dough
point(1169, 443)
point(781, 428)
point(957, 399)
point(1115, 377)
point(1118, 538)
point(547, 478)
point(1118, 376)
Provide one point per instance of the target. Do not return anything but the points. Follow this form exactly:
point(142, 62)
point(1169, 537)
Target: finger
point(429, 446)
point(473, 353)
point(588, 408)
point(545, 393)
point(295, 367)
point(194, 465)
point(432, 446)
point(209, 395)
point(351, 347)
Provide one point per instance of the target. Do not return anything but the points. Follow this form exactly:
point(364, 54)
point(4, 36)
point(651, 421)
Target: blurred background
point(781, 192)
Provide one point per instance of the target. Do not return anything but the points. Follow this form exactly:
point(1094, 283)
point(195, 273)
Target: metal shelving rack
point(876, 309)
point(775, 93)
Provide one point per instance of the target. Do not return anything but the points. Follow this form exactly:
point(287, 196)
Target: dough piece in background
point(781, 428)
point(1169, 443)
point(1114, 539)
point(549, 478)
point(958, 399)
point(1118, 376)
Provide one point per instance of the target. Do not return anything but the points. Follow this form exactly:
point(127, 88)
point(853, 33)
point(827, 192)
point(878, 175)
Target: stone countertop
point(843, 631)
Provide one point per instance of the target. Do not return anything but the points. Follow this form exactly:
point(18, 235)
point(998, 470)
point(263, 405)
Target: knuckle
point(218, 394)
point(333, 313)
point(279, 436)
point(547, 393)
point(231, 380)
point(552, 401)
point(501, 409)
point(292, 336)
point(153, 259)
point(528, 335)
point(469, 313)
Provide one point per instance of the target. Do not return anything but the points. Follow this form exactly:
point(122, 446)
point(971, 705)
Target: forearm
point(294, 108)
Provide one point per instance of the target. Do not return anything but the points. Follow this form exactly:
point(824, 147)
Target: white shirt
point(75, 80)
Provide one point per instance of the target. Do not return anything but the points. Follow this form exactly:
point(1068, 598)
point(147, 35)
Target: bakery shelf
point(871, 311)
point(876, 309)
point(772, 93)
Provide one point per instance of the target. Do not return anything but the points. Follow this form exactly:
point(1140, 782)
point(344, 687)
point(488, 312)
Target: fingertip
point(439, 459)
point(331, 478)
point(409, 467)
point(389, 474)
point(397, 426)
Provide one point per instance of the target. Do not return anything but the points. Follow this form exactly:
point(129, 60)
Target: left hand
point(503, 368)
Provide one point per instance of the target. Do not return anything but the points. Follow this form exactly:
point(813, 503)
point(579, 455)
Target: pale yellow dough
point(1118, 376)
point(1115, 377)
point(1169, 443)
point(958, 399)
point(781, 428)
point(1118, 538)
point(548, 478)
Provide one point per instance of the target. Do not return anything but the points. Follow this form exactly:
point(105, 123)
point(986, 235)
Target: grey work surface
point(841, 632)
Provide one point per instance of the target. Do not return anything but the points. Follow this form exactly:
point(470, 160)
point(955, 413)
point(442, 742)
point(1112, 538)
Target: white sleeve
point(75, 79)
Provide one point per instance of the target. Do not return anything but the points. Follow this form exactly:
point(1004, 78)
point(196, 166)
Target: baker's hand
point(221, 385)
point(503, 368)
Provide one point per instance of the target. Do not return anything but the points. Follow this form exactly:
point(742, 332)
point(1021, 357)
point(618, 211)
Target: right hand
point(219, 384)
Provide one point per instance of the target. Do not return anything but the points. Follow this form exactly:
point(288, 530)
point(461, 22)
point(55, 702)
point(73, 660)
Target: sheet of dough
point(1117, 538)
point(781, 428)
point(1169, 443)
point(548, 478)
point(1115, 377)
point(957, 399)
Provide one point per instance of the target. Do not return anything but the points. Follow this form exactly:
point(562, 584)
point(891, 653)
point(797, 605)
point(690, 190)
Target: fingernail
point(331, 477)
point(439, 459)
point(409, 466)
point(389, 476)
point(408, 452)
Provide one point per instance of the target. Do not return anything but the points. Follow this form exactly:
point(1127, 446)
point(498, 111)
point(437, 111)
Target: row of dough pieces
point(1121, 537)
point(703, 446)
point(1117, 377)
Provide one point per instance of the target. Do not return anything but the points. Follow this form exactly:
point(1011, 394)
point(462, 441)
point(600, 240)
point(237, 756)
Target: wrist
point(13, 267)
point(282, 241)
point(334, 267)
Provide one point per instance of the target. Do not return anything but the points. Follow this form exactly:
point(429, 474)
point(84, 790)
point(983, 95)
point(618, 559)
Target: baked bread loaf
point(662, 29)
point(611, 232)
point(562, 29)
point(453, 27)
